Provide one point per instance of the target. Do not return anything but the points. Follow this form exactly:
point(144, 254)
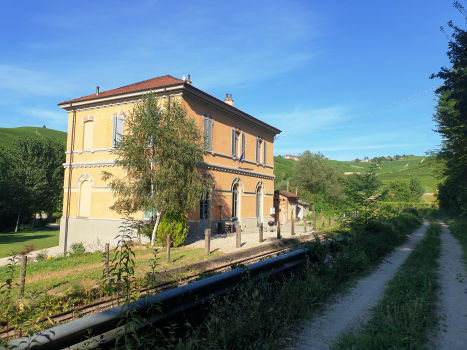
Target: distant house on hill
point(296, 158)
point(365, 161)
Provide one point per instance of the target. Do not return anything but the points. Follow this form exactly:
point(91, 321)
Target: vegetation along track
point(110, 302)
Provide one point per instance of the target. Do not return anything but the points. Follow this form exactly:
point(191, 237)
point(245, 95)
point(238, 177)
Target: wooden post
point(304, 225)
point(22, 278)
point(321, 213)
point(278, 230)
point(323, 221)
point(167, 260)
point(314, 223)
point(207, 241)
point(329, 220)
point(106, 259)
point(335, 218)
point(238, 237)
point(261, 233)
point(293, 227)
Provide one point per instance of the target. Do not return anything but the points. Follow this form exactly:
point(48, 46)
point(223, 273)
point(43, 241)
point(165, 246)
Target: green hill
point(413, 166)
point(7, 135)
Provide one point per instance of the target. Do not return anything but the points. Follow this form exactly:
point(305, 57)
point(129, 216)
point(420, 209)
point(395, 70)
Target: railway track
point(110, 302)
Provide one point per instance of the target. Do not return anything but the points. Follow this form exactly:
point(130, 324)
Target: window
point(87, 137)
point(243, 146)
point(208, 124)
point(84, 209)
point(204, 206)
point(235, 201)
point(234, 141)
point(118, 120)
point(260, 150)
point(150, 214)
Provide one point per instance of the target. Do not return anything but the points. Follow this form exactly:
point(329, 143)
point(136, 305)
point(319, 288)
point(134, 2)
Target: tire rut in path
point(351, 309)
point(452, 307)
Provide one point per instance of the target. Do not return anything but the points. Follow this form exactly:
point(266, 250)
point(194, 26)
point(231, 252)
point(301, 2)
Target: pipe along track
point(106, 325)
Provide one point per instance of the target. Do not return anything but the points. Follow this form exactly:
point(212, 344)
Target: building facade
point(95, 122)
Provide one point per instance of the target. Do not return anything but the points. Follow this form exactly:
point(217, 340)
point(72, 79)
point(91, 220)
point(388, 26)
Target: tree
point(317, 179)
point(363, 192)
point(451, 116)
point(158, 153)
point(31, 176)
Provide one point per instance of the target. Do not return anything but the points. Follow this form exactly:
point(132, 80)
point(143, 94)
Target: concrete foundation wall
point(94, 233)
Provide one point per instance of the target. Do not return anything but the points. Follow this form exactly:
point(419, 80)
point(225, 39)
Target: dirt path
point(351, 309)
point(453, 299)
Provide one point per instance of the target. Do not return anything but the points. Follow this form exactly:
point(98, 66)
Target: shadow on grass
point(179, 258)
point(8, 238)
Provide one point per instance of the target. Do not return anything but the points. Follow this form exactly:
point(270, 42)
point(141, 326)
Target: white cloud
point(31, 82)
point(54, 119)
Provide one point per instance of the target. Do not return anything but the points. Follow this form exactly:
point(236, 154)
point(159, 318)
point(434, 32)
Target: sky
point(297, 65)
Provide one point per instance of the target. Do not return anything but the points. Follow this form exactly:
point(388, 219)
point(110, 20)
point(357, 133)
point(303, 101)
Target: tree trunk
point(17, 222)
point(32, 223)
point(153, 237)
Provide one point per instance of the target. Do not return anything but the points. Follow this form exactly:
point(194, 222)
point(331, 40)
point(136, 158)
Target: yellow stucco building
point(244, 189)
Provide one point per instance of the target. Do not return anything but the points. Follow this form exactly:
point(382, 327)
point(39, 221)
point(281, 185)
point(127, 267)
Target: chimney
point(228, 99)
point(296, 191)
point(287, 185)
point(184, 77)
point(189, 81)
point(97, 90)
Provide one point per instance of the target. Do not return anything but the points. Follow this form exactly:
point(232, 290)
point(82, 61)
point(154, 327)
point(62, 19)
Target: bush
point(175, 226)
point(41, 256)
point(77, 248)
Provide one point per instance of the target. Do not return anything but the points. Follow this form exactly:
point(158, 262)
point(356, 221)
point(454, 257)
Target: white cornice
point(205, 165)
point(97, 164)
point(233, 170)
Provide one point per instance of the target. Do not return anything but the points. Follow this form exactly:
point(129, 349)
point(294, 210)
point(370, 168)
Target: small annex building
point(95, 122)
point(285, 206)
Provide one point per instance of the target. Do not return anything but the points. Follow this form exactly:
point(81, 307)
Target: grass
point(407, 311)
point(42, 238)
point(7, 135)
point(457, 226)
point(84, 271)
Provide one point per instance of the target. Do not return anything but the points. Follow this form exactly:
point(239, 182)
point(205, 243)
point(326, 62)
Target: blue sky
point(297, 65)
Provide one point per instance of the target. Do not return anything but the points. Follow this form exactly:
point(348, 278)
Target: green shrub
point(175, 226)
point(41, 256)
point(77, 248)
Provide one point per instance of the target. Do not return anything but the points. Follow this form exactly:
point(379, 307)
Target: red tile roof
point(158, 82)
point(141, 86)
point(288, 194)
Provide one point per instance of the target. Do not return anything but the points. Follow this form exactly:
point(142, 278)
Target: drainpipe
point(68, 198)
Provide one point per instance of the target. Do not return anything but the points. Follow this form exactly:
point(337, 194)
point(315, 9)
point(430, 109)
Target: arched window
point(259, 205)
point(84, 205)
point(204, 205)
point(235, 201)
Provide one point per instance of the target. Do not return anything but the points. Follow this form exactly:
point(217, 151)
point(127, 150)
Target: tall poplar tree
point(158, 152)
